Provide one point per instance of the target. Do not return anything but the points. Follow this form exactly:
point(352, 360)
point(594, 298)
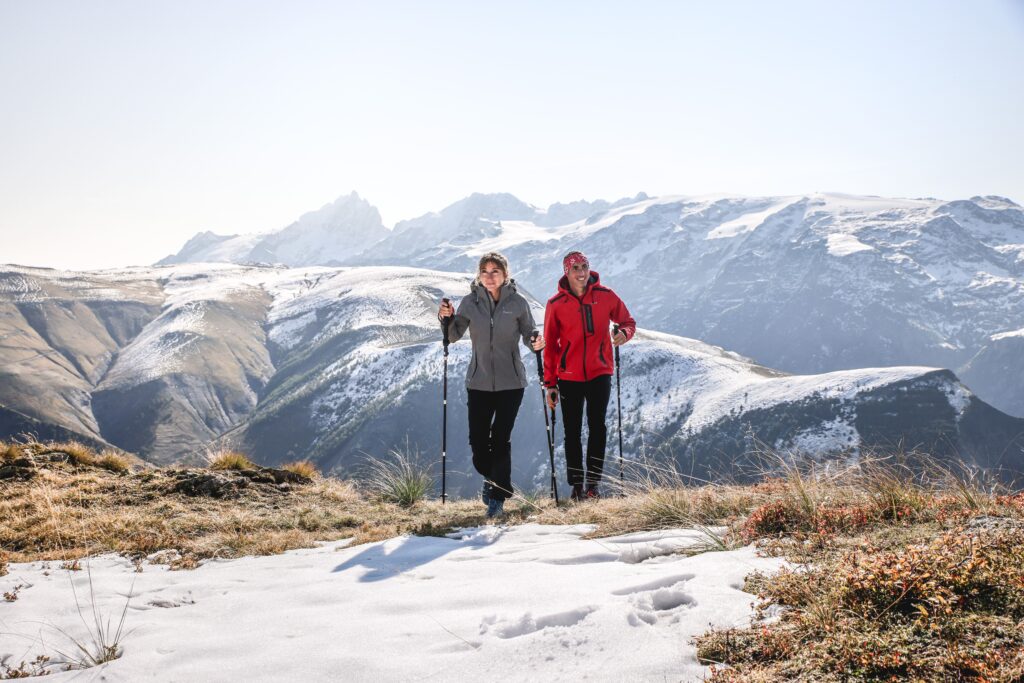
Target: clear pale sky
point(126, 127)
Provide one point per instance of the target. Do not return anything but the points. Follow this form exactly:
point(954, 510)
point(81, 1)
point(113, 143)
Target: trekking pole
point(618, 401)
point(549, 425)
point(445, 322)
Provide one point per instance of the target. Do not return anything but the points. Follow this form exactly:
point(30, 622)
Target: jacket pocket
point(600, 353)
point(564, 354)
point(515, 364)
point(476, 364)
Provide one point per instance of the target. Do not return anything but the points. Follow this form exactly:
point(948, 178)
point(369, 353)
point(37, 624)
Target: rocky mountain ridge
point(337, 363)
point(806, 284)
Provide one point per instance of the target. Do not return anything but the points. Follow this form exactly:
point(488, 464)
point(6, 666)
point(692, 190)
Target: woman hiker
point(497, 317)
point(578, 365)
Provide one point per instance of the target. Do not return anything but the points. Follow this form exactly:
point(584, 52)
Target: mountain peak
point(333, 233)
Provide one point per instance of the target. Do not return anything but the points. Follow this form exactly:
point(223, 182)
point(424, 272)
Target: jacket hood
point(563, 283)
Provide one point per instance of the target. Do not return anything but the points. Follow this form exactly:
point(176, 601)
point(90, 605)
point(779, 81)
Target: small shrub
point(780, 517)
point(303, 468)
point(401, 480)
point(230, 460)
point(71, 565)
point(772, 519)
point(1014, 502)
point(834, 519)
point(956, 571)
point(3, 565)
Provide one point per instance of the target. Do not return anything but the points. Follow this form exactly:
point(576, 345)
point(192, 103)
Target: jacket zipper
point(493, 307)
point(600, 353)
point(565, 353)
point(583, 317)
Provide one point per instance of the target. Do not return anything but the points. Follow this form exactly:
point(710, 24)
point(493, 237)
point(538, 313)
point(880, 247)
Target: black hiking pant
point(492, 414)
point(574, 397)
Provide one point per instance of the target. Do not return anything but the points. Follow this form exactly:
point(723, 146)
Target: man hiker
point(578, 365)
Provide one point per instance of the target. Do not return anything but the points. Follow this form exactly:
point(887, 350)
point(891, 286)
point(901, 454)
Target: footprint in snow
point(658, 597)
point(527, 623)
point(663, 582)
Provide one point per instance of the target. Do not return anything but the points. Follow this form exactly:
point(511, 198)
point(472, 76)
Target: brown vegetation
point(895, 577)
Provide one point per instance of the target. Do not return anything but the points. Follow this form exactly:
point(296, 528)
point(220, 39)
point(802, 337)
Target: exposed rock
point(208, 484)
point(230, 483)
point(13, 471)
point(990, 523)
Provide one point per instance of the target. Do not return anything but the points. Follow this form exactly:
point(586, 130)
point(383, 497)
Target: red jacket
point(578, 345)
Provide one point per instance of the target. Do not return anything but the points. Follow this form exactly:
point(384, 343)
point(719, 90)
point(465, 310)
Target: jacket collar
point(507, 290)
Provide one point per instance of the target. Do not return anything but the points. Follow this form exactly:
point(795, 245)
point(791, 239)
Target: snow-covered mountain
point(807, 284)
point(337, 363)
point(329, 235)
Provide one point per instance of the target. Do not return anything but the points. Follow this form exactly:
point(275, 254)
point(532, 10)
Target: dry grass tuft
point(303, 468)
point(402, 479)
point(10, 452)
point(77, 452)
point(230, 460)
point(111, 460)
point(40, 666)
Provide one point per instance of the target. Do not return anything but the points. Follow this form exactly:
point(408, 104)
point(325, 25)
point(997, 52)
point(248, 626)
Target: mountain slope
point(808, 284)
point(335, 364)
point(998, 367)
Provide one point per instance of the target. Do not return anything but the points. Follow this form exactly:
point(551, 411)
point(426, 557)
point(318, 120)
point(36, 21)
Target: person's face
point(579, 274)
point(492, 277)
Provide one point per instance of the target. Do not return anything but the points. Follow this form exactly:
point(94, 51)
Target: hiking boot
point(576, 495)
point(592, 492)
point(496, 507)
point(485, 496)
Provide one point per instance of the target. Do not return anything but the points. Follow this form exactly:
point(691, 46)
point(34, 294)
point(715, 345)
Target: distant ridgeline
point(865, 299)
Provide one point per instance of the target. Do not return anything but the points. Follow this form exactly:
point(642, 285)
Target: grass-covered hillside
point(891, 575)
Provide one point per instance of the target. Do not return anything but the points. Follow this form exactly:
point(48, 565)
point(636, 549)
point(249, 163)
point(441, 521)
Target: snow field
point(521, 603)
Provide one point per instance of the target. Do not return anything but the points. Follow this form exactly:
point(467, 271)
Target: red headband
point(572, 259)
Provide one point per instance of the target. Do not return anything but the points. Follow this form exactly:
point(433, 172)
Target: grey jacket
point(495, 329)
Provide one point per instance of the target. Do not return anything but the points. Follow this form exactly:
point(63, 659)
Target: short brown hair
point(495, 258)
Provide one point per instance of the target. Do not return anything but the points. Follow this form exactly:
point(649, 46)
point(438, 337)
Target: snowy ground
point(523, 603)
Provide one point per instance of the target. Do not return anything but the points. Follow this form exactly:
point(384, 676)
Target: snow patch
point(835, 436)
point(843, 244)
point(747, 222)
point(1008, 335)
point(959, 397)
point(407, 608)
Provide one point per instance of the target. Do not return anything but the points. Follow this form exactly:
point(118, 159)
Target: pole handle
point(445, 322)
